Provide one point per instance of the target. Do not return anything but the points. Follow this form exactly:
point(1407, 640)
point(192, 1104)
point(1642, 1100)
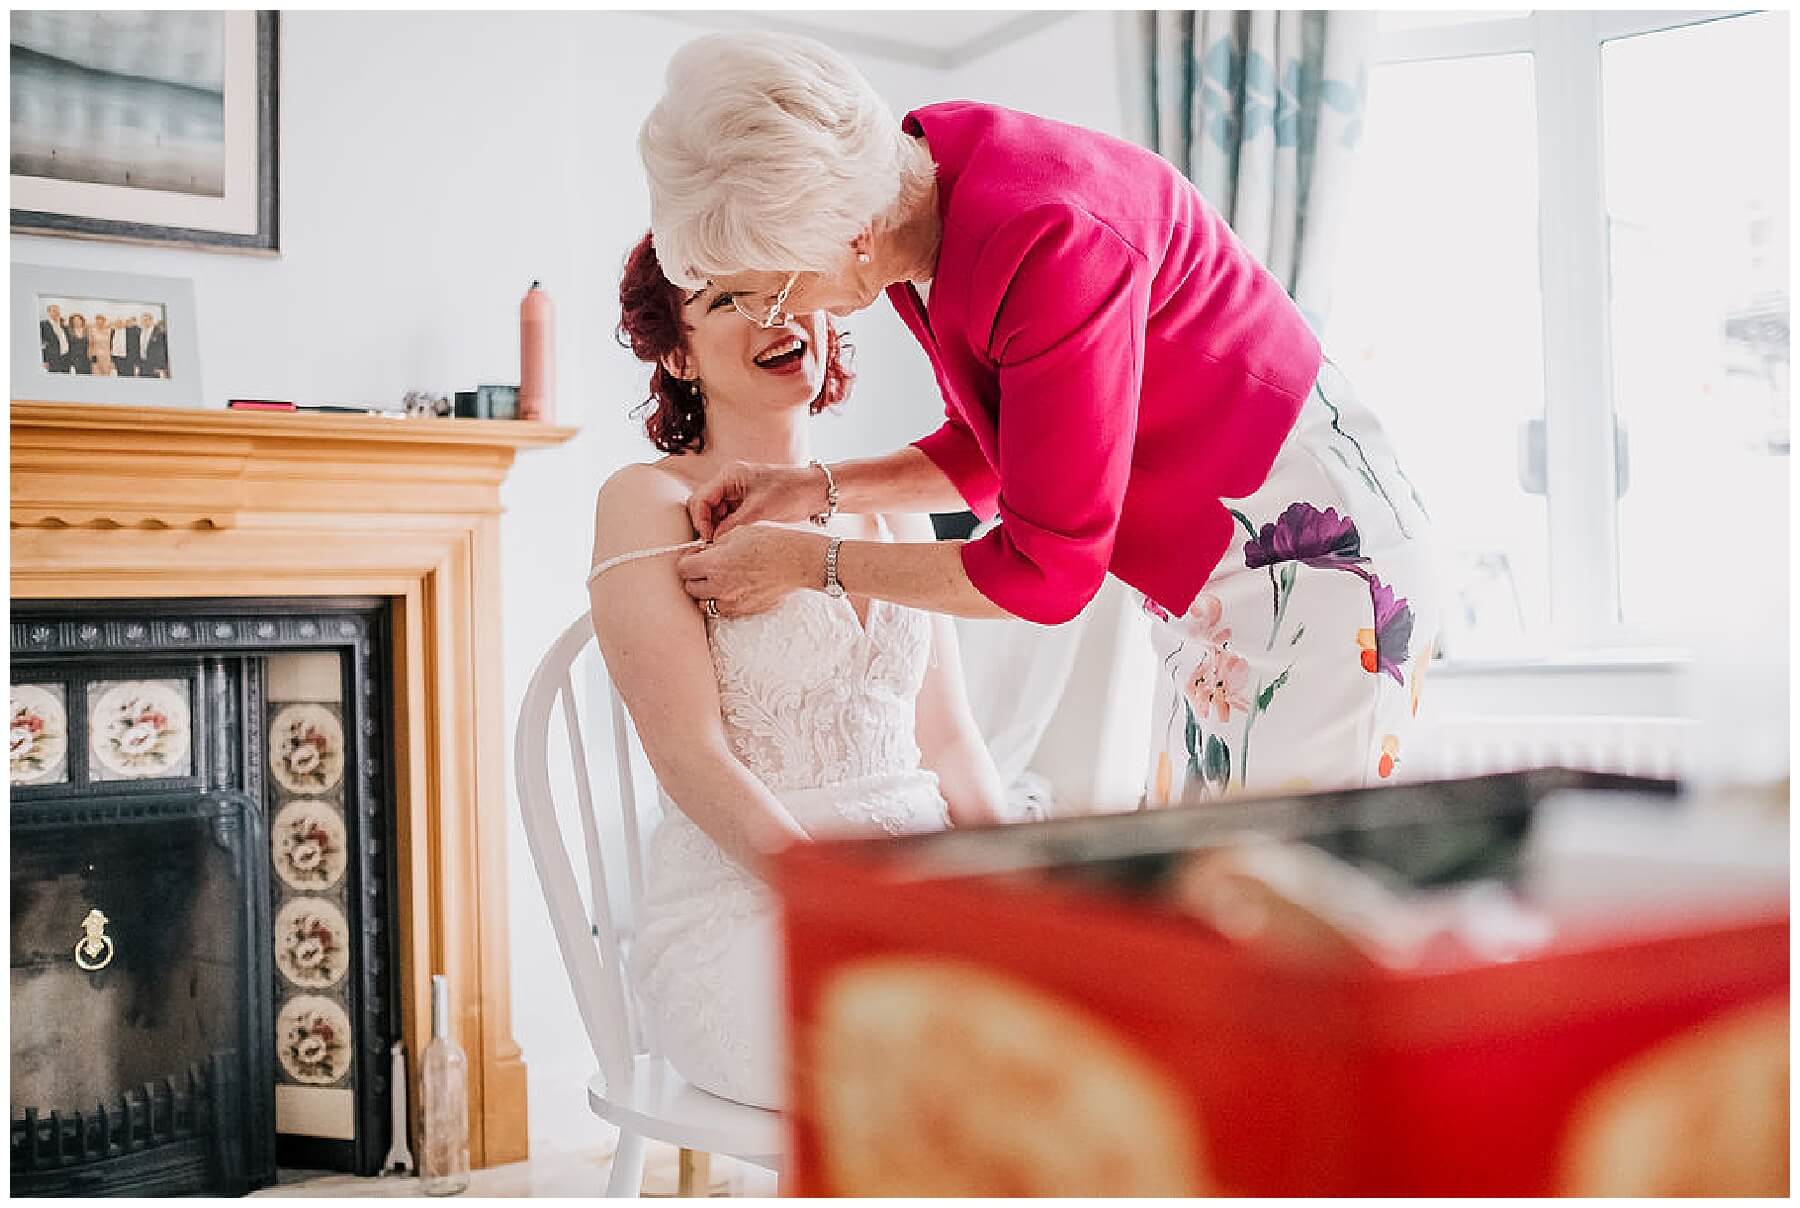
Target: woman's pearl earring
point(863, 257)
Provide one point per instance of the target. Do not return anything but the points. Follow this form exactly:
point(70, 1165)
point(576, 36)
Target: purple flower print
point(1305, 534)
point(1385, 647)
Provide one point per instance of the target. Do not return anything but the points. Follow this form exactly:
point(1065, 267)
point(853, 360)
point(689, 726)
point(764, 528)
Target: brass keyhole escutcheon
point(94, 950)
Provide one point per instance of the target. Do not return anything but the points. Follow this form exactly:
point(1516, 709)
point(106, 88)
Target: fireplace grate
point(166, 1136)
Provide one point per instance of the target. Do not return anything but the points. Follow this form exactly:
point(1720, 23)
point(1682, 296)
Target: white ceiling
point(941, 39)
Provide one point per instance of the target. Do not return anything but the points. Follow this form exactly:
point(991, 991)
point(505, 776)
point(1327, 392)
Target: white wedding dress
point(820, 707)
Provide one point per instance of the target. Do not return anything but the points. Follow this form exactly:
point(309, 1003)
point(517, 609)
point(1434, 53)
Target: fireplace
point(181, 771)
point(141, 1057)
point(213, 510)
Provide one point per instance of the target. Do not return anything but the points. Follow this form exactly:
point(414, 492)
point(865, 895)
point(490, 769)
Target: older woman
point(1126, 389)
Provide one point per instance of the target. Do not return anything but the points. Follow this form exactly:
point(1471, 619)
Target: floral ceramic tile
point(312, 1039)
point(139, 730)
point(312, 943)
point(306, 749)
point(40, 734)
point(309, 846)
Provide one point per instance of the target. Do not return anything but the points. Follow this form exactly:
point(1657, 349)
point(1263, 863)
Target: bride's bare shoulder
point(640, 506)
point(643, 484)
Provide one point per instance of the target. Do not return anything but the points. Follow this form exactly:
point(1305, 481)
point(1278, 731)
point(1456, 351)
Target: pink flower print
point(1390, 756)
point(1219, 683)
point(1204, 622)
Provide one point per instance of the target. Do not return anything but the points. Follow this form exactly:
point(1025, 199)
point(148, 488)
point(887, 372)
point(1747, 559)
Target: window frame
point(1581, 456)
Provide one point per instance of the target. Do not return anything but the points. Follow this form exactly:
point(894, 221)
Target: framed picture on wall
point(86, 337)
point(148, 127)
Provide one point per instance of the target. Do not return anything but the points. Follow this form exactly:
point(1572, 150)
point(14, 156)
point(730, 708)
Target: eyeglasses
point(776, 314)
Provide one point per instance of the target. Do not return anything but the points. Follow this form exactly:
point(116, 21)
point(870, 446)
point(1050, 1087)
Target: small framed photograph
point(147, 127)
point(87, 337)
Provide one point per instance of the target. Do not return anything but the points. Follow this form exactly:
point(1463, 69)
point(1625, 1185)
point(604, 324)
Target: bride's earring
point(863, 257)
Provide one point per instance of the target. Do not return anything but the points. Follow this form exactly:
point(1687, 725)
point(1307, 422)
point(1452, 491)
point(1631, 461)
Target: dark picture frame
point(266, 237)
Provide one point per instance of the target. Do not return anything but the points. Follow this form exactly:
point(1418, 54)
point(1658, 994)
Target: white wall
point(432, 165)
point(1067, 71)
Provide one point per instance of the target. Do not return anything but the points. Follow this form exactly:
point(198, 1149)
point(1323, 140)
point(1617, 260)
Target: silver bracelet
point(832, 587)
point(831, 496)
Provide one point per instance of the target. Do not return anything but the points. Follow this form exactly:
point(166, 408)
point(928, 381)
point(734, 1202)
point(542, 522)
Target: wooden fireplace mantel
point(143, 502)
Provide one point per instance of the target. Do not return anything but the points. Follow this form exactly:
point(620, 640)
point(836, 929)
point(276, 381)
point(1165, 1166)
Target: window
point(1437, 316)
point(1696, 139)
point(1563, 218)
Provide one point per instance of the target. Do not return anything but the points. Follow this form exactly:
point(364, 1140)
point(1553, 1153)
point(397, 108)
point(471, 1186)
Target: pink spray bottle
point(537, 356)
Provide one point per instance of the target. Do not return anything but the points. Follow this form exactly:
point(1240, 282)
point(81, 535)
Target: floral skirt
point(1299, 665)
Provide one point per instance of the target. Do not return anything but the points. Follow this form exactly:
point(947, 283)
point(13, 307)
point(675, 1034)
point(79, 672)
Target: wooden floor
point(560, 1174)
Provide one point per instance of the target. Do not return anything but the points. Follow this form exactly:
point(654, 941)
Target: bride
point(825, 715)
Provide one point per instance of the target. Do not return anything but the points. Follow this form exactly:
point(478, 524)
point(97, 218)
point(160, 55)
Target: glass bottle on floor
point(444, 1079)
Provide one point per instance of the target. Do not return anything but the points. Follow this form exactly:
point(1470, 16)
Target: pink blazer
point(1112, 361)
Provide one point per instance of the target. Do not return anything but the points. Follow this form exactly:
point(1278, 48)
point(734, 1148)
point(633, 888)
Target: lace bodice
point(820, 708)
point(820, 705)
point(812, 696)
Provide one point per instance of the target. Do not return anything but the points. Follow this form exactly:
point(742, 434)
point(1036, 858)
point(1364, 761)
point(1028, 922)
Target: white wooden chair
point(635, 1088)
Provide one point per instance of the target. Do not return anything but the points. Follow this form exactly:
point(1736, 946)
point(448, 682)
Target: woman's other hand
point(748, 493)
point(749, 569)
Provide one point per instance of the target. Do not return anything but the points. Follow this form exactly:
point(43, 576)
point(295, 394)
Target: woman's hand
point(749, 569)
point(746, 493)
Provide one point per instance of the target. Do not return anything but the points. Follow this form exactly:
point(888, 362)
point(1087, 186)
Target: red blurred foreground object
point(1059, 1009)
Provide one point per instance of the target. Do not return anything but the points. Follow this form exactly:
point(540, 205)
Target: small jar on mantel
point(444, 1090)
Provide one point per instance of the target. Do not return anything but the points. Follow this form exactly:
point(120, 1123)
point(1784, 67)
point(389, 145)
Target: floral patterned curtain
point(1263, 110)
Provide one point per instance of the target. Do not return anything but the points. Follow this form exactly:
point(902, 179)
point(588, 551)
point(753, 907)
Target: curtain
point(1263, 110)
point(1016, 674)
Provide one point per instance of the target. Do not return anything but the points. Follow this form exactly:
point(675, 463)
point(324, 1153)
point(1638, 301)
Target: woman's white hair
point(770, 152)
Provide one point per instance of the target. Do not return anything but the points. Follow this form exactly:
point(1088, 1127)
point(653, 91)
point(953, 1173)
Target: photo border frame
point(267, 237)
point(174, 294)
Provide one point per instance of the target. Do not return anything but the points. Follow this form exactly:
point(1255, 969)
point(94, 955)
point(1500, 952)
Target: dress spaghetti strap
point(640, 555)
